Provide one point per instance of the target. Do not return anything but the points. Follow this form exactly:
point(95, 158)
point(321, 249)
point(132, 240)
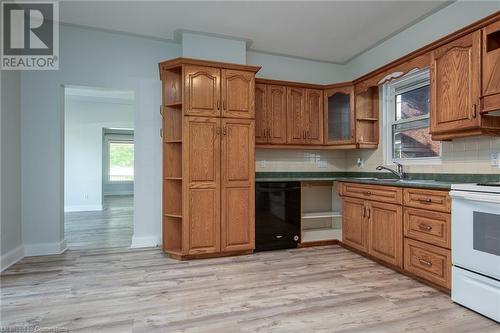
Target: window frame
point(415, 79)
point(110, 137)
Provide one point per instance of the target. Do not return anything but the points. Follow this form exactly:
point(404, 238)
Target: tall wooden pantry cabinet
point(208, 158)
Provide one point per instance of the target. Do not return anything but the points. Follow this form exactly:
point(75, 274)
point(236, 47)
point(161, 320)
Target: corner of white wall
point(10, 258)
point(43, 249)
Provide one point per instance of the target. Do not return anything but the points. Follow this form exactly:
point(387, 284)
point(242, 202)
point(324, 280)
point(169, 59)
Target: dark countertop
point(427, 181)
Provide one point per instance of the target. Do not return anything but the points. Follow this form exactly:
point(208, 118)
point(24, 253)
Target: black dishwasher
point(277, 215)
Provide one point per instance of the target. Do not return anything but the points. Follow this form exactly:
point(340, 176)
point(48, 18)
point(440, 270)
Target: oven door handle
point(475, 196)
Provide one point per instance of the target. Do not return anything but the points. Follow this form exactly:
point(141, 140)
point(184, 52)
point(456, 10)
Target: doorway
point(98, 167)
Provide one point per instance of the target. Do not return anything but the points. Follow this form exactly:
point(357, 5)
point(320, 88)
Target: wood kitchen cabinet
point(374, 228)
point(304, 116)
point(215, 92)
point(408, 229)
point(490, 99)
point(270, 114)
point(385, 236)
point(354, 224)
point(339, 115)
point(456, 87)
point(238, 185)
point(208, 158)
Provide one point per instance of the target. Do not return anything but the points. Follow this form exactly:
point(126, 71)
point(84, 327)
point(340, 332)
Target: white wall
point(11, 247)
point(213, 48)
point(296, 69)
point(95, 59)
point(443, 22)
point(85, 118)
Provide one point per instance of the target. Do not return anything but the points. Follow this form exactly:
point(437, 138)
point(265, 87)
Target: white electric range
point(475, 235)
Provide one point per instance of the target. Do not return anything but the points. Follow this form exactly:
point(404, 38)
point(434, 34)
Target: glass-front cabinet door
point(339, 115)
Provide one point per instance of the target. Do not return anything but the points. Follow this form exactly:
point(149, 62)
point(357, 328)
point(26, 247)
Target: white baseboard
point(10, 258)
point(82, 208)
point(43, 249)
point(145, 241)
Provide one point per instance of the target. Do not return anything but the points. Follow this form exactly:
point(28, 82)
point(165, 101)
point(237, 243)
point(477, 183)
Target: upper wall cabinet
point(456, 89)
point(491, 68)
point(304, 116)
point(314, 114)
point(214, 92)
point(202, 91)
point(270, 114)
point(339, 115)
point(456, 84)
point(238, 89)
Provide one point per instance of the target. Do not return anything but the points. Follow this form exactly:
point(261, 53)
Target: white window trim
point(388, 110)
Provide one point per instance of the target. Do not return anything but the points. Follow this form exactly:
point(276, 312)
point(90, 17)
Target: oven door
point(475, 232)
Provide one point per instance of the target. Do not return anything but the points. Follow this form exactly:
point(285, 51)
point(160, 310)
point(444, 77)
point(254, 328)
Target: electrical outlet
point(86, 196)
point(263, 164)
point(360, 163)
point(495, 159)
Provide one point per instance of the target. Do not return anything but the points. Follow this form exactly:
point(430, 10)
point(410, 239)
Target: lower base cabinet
point(430, 262)
point(417, 241)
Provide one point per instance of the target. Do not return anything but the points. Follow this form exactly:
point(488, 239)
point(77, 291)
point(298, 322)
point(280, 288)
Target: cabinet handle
point(269, 133)
point(425, 262)
point(367, 193)
point(217, 130)
point(369, 213)
point(364, 211)
point(474, 110)
point(224, 130)
point(423, 226)
point(218, 104)
point(223, 104)
point(427, 201)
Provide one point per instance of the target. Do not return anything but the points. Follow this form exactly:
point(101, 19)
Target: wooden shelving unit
point(171, 112)
point(367, 118)
point(321, 218)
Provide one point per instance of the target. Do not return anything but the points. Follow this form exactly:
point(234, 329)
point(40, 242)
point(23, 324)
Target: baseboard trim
point(43, 249)
point(10, 258)
point(145, 241)
point(82, 208)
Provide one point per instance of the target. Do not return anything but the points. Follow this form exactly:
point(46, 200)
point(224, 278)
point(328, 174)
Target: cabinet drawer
point(428, 261)
point(427, 199)
point(427, 226)
point(373, 192)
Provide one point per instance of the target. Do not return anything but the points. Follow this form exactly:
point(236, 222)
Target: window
point(406, 120)
point(118, 156)
point(121, 161)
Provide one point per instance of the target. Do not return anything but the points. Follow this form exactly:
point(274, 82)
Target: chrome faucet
point(401, 174)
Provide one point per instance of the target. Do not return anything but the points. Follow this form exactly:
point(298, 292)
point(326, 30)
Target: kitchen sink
point(394, 180)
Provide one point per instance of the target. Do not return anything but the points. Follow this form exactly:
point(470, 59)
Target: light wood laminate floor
point(111, 227)
point(322, 289)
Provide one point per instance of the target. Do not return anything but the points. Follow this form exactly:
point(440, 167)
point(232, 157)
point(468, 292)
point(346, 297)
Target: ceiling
point(332, 31)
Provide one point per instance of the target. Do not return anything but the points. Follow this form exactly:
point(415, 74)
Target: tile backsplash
point(274, 160)
point(467, 155)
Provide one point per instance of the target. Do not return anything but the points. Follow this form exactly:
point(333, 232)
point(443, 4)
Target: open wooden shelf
point(174, 105)
point(172, 198)
point(174, 216)
point(172, 160)
point(172, 234)
point(173, 178)
point(172, 86)
point(319, 215)
point(367, 119)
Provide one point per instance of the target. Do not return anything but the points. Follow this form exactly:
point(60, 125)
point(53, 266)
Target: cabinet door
point(339, 115)
point(314, 111)
point(276, 115)
point(455, 85)
point(296, 115)
point(261, 122)
point(201, 159)
point(385, 240)
point(201, 91)
point(354, 224)
point(491, 67)
point(238, 89)
point(238, 185)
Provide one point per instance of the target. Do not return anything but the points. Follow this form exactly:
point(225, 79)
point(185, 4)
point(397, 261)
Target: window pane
point(121, 161)
point(412, 103)
point(412, 140)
